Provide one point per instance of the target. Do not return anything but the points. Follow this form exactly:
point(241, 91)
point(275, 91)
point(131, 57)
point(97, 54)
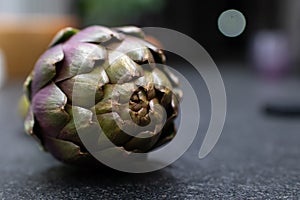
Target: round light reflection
point(232, 23)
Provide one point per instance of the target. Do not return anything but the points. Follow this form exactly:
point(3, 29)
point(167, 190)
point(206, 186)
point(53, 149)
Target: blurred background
point(268, 41)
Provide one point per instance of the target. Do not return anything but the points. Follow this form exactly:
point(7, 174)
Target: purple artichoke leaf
point(96, 35)
point(45, 68)
point(80, 58)
point(31, 126)
point(48, 106)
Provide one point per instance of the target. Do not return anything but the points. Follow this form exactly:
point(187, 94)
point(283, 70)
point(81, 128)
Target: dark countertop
point(257, 156)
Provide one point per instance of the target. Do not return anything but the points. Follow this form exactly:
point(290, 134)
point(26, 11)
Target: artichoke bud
point(109, 79)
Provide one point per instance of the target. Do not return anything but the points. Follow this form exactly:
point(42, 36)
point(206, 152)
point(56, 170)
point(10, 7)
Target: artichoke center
point(139, 105)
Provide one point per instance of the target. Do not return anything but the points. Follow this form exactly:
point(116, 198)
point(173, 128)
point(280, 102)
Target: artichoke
point(108, 63)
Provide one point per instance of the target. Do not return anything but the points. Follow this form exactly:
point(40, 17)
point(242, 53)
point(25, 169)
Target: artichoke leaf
point(29, 122)
point(89, 87)
point(96, 34)
point(45, 68)
point(134, 48)
point(63, 35)
point(172, 77)
point(110, 123)
point(27, 86)
point(144, 80)
point(119, 155)
point(167, 134)
point(48, 106)
point(83, 124)
point(158, 54)
point(158, 115)
point(104, 106)
point(131, 30)
point(174, 106)
point(66, 151)
point(121, 68)
point(142, 142)
point(80, 58)
point(120, 93)
point(161, 81)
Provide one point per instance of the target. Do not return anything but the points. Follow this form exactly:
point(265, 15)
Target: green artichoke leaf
point(29, 122)
point(48, 106)
point(167, 134)
point(142, 142)
point(120, 93)
point(63, 35)
point(146, 79)
point(116, 98)
point(89, 87)
point(30, 127)
point(131, 30)
point(45, 68)
point(121, 68)
point(174, 81)
point(160, 80)
point(109, 123)
point(66, 151)
point(27, 86)
point(83, 124)
point(175, 103)
point(150, 88)
point(158, 54)
point(172, 77)
point(80, 58)
point(157, 114)
point(174, 107)
point(178, 94)
point(104, 106)
point(134, 48)
point(166, 98)
point(117, 155)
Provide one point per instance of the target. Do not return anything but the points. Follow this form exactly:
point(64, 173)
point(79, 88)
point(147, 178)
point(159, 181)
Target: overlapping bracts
point(109, 64)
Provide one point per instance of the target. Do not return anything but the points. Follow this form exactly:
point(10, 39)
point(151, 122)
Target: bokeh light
point(231, 23)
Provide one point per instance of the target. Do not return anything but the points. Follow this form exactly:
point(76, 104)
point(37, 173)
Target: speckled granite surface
point(257, 156)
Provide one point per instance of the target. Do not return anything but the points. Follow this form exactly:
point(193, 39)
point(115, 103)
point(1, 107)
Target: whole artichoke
point(108, 64)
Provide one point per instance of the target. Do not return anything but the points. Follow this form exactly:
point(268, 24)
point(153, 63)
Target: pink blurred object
point(270, 53)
